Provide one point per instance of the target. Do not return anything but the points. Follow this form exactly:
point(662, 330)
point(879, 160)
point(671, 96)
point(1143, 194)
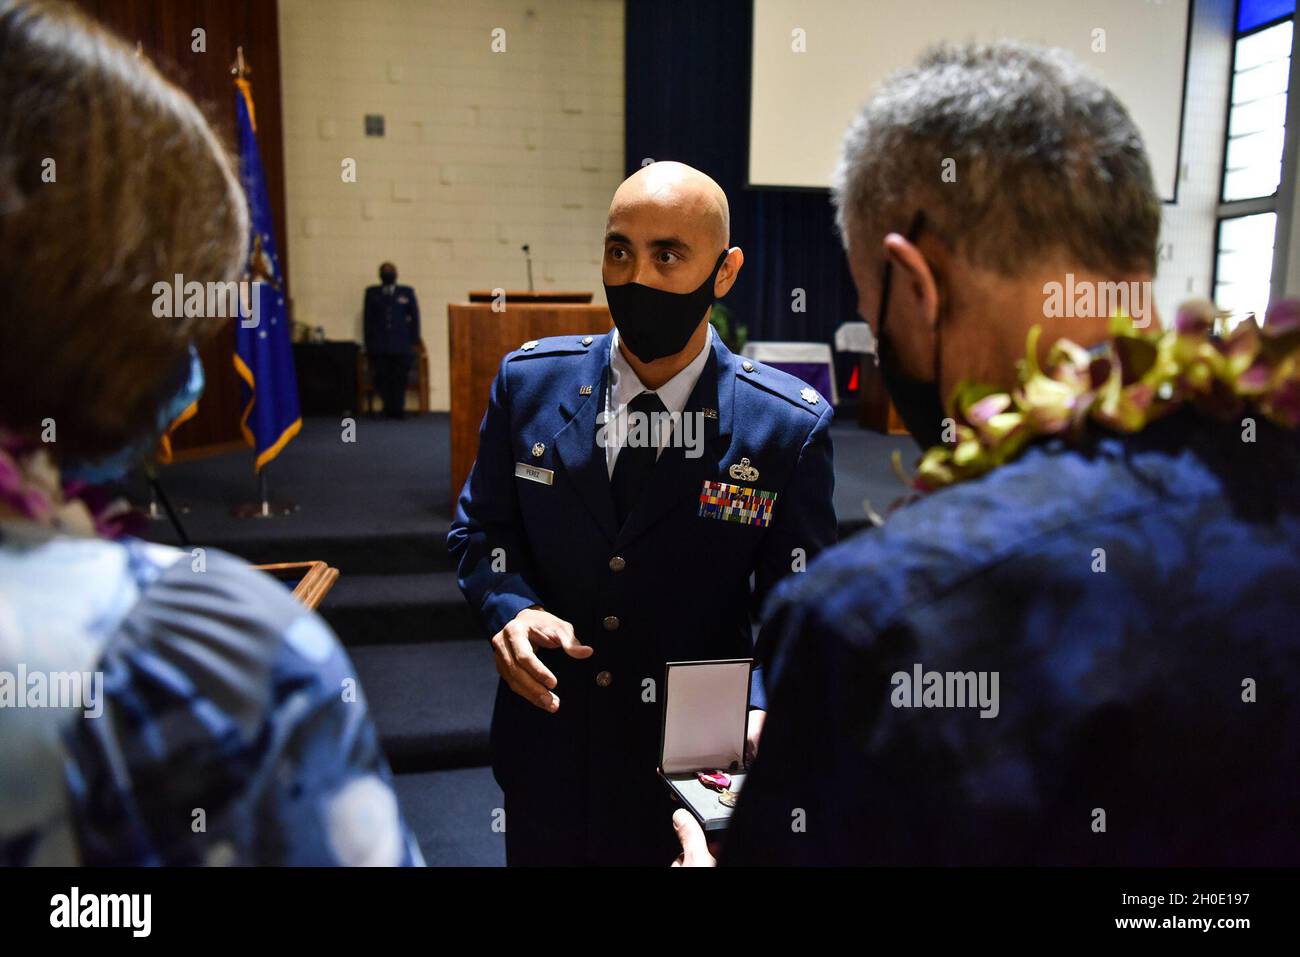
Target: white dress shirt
point(624, 386)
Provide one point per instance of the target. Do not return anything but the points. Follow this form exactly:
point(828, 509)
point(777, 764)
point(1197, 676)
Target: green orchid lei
point(1130, 381)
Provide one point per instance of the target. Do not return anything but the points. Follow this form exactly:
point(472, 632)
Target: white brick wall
point(486, 151)
point(1187, 232)
point(482, 151)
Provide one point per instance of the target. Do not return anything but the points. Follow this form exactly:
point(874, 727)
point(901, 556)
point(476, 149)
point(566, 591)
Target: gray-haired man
point(1062, 657)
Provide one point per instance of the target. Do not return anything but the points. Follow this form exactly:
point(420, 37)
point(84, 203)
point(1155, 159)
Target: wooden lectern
point(535, 297)
point(478, 337)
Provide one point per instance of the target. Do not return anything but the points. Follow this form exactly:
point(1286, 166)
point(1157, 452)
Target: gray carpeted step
point(452, 814)
point(432, 701)
point(388, 609)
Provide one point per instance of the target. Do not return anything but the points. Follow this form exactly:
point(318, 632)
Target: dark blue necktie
point(635, 462)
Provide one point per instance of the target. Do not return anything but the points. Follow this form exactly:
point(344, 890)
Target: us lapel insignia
point(584, 390)
point(736, 503)
point(710, 413)
point(744, 472)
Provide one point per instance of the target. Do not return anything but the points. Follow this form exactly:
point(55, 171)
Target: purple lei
point(23, 492)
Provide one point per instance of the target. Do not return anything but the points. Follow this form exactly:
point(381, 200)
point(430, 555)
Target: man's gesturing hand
point(522, 670)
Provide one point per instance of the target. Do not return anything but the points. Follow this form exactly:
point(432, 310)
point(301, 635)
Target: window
point(1243, 267)
point(1252, 159)
point(1257, 115)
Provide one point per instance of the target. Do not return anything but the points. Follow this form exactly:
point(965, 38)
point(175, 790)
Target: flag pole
point(263, 507)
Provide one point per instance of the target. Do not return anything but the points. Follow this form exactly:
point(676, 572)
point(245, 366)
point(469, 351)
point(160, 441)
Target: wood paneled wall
point(165, 29)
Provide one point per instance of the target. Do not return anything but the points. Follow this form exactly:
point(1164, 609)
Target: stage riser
point(357, 627)
point(431, 701)
point(455, 814)
point(367, 556)
point(388, 555)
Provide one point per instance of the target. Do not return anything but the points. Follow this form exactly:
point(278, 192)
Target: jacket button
point(616, 564)
point(610, 623)
point(604, 679)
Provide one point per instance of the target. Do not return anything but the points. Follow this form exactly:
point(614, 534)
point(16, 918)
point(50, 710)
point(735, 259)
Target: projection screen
point(802, 98)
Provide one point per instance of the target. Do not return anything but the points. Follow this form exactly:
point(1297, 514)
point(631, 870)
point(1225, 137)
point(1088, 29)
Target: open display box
point(706, 716)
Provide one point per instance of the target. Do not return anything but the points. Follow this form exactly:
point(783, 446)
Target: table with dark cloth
point(327, 377)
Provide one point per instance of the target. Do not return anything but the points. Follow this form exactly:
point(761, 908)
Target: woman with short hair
point(154, 708)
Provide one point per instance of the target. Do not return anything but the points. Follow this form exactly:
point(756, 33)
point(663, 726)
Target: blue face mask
point(115, 466)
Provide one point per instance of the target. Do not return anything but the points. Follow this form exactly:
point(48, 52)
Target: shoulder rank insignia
point(744, 472)
point(529, 346)
point(808, 395)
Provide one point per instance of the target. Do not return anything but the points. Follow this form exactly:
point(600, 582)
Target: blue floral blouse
point(159, 706)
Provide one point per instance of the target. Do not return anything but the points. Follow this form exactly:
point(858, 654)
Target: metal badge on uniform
point(534, 474)
point(737, 503)
point(744, 472)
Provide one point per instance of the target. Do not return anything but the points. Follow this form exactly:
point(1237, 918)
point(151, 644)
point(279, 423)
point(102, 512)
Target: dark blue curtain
point(687, 89)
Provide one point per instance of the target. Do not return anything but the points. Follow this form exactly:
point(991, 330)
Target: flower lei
point(1130, 381)
point(31, 488)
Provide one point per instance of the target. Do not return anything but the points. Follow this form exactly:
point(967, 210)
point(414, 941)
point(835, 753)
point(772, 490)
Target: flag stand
point(171, 512)
point(167, 511)
point(264, 507)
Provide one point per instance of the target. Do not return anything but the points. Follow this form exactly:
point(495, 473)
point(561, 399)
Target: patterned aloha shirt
point(169, 707)
point(1139, 604)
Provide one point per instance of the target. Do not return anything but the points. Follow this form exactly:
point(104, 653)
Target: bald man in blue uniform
point(597, 548)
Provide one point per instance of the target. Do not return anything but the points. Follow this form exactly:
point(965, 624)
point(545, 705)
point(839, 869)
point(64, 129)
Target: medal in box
point(702, 748)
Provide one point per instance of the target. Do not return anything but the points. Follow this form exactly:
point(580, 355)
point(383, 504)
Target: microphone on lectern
point(529, 259)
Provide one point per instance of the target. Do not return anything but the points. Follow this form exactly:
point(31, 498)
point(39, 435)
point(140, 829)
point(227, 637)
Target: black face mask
point(918, 403)
point(388, 278)
point(654, 323)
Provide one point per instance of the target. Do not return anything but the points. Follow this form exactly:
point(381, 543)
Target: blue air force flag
point(263, 351)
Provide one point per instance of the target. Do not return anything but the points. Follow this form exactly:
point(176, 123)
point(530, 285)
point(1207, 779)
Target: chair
point(418, 380)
